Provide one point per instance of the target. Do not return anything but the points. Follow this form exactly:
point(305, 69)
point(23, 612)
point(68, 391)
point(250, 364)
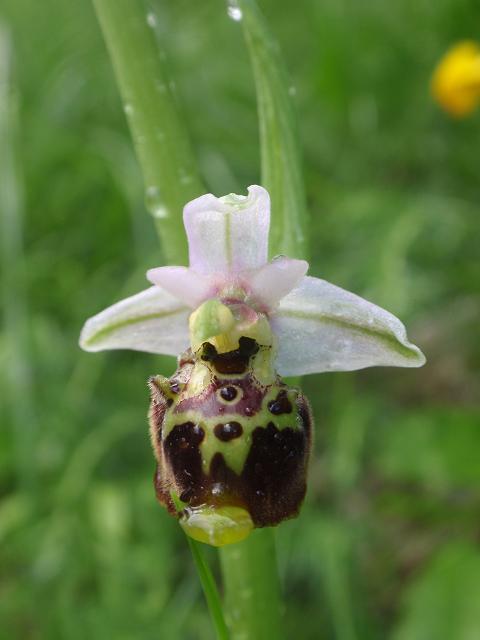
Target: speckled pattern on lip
point(252, 453)
point(238, 457)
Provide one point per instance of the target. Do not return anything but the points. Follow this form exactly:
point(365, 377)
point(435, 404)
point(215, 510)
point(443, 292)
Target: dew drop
point(153, 194)
point(292, 90)
point(154, 203)
point(234, 12)
point(160, 213)
point(128, 108)
point(151, 20)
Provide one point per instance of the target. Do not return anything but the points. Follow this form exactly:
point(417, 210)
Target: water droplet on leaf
point(154, 202)
point(151, 20)
point(234, 12)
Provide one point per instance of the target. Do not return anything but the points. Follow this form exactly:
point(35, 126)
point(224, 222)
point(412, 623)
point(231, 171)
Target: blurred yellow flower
point(456, 79)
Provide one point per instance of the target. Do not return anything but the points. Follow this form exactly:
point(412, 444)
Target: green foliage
point(385, 546)
point(450, 587)
point(280, 155)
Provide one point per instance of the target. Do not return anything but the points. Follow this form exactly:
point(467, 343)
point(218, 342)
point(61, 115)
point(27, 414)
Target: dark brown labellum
point(236, 440)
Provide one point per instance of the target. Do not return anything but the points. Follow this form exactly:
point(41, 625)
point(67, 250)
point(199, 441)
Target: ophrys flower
point(231, 438)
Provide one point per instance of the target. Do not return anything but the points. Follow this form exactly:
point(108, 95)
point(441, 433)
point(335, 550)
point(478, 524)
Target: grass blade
point(280, 149)
point(210, 590)
point(161, 142)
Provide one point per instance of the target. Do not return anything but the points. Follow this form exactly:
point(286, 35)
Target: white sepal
point(321, 327)
point(152, 321)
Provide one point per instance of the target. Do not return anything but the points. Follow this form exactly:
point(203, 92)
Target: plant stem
point(206, 578)
point(210, 590)
point(169, 169)
point(253, 600)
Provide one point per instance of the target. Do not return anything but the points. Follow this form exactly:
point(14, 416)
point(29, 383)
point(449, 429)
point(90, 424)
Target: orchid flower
point(232, 440)
point(319, 326)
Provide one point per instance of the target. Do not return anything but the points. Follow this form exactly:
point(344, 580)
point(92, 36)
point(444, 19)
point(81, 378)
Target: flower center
point(224, 322)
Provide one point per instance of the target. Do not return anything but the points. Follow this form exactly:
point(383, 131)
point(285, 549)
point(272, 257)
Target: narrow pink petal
point(228, 234)
point(185, 284)
point(270, 283)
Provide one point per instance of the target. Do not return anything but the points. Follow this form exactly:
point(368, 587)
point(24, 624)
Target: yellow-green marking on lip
point(217, 526)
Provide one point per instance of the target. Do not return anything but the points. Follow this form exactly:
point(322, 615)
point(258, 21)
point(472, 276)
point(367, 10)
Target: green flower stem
point(206, 578)
point(210, 590)
point(252, 592)
point(169, 169)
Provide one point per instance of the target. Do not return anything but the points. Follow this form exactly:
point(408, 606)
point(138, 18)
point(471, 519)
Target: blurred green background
point(387, 545)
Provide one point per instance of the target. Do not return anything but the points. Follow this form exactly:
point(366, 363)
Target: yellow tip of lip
point(217, 526)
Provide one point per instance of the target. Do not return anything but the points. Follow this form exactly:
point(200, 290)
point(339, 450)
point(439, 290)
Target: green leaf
point(438, 448)
point(161, 142)
point(444, 602)
point(280, 149)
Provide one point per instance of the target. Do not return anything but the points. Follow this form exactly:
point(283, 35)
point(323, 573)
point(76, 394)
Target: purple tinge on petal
point(228, 234)
point(270, 283)
point(185, 284)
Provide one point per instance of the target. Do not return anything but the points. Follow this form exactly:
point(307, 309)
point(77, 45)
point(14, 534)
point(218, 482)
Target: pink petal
point(229, 234)
point(185, 284)
point(269, 284)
